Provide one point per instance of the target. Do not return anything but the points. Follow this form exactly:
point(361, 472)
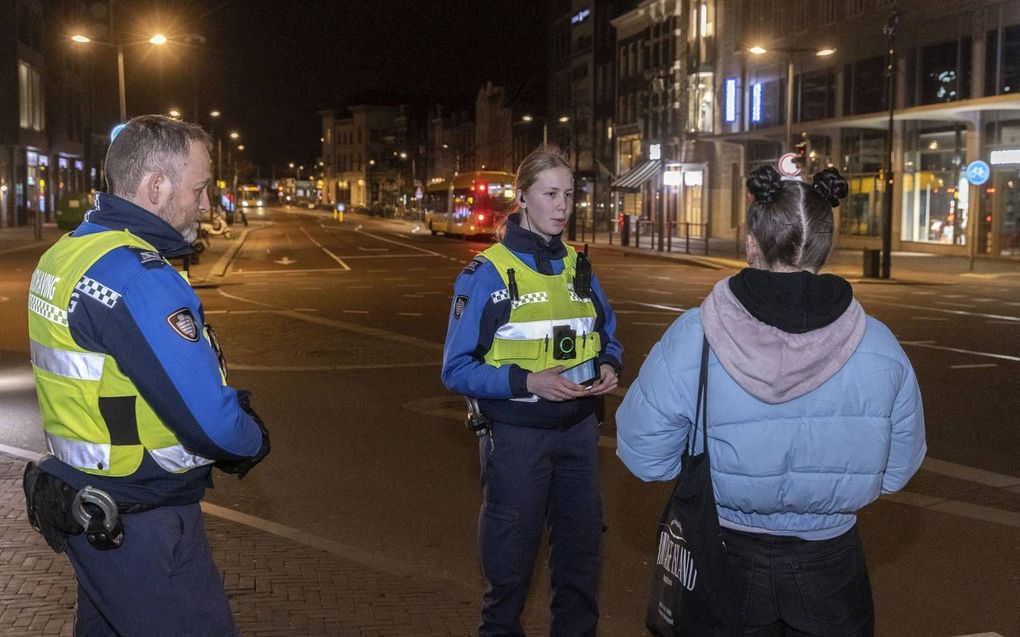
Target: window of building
point(935, 189)
point(798, 15)
point(767, 100)
point(940, 72)
point(864, 86)
point(30, 92)
point(863, 156)
point(830, 11)
point(701, 101)
point(1002, 61)
point(815, 95)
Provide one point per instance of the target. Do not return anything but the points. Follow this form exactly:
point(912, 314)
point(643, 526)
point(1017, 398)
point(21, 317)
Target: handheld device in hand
point(584, 374)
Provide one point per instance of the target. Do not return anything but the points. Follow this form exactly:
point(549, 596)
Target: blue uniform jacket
point(474, 319)
point(179, 378)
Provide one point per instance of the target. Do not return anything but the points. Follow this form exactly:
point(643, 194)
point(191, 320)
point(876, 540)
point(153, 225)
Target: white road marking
point(662, 292)
point(410, 314)
point(938, 309)
point(923, 292)
point(931, 345)
point(4, 299)
point(364, 249)
point(324, 249)
point(401, 243)
point(975, 366)
point(328, 368)
point(970, 474)
point(656, 306)
point(953, 304)
point(302, 271)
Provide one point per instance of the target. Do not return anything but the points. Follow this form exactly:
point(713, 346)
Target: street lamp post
point(157, 40)
point(887, 195)
point(790, 52)
point(562, 119)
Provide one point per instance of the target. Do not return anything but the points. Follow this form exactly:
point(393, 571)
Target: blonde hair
point(541, 159)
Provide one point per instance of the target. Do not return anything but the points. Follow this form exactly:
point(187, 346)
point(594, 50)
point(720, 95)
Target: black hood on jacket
point(795, 302)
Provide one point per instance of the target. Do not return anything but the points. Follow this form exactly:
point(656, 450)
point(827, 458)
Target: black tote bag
point(691, 591)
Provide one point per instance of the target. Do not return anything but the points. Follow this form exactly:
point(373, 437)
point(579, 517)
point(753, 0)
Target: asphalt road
point(337, 328)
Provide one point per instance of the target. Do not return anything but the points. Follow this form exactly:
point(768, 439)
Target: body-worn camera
point(564, 343)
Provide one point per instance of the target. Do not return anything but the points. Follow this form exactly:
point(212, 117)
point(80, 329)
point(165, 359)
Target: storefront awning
point(632, 179)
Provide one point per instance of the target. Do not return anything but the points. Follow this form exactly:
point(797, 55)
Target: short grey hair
point(147, 144)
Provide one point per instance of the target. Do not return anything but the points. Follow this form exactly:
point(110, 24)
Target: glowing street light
point(174, 113)
point(790, 51)
point(234, 135)
point(214, 113)
point(157, 39)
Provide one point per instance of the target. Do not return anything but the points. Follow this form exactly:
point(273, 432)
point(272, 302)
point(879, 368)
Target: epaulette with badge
point(149, 258)
point(475, 263)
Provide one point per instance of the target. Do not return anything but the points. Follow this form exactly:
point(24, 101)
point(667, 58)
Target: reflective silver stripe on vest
point(534, 330)
point(177, 458)
point(78, 453)
point(66, 363)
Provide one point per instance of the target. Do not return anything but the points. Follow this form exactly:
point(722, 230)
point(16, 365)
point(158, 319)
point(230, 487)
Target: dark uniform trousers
point(161, 581)
point(532, 478)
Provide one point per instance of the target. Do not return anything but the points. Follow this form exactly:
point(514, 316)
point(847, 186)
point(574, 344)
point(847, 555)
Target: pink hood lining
point(772, 365)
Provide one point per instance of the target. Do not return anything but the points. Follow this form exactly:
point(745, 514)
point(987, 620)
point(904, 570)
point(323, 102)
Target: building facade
point(371, 156)
point(956, 78)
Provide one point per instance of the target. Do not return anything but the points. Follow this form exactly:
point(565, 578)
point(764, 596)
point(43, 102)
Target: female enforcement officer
point(524, 310)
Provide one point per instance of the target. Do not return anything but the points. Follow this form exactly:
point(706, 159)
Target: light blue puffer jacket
point(818, 426)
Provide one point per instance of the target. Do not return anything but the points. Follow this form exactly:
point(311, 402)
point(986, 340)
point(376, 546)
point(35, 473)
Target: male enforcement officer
point(134, 398)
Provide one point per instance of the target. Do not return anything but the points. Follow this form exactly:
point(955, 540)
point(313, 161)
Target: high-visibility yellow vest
point(71, 381)
point(544, 302)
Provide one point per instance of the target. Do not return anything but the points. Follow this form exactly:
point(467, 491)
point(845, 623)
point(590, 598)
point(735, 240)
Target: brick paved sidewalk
point(277, 587)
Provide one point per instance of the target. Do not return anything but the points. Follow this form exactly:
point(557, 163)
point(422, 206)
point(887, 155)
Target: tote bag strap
point(701, 410)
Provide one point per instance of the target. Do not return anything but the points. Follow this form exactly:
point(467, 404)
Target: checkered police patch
point(459, 305)
point(183, 322)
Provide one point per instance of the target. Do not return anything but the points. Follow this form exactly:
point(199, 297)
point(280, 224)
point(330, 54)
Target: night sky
point(269, 66)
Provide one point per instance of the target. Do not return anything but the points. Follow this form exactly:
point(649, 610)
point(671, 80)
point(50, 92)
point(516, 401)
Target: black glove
point(240, 468)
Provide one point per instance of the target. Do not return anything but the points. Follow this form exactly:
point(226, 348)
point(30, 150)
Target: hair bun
point(765, 184)
point(831, 186)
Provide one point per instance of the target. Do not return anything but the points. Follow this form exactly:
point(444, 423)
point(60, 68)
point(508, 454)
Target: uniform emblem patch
point(148, 258)
point(459, 305)
point(183, 322)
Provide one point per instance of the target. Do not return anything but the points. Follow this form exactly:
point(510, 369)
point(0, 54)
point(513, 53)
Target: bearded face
point(182, 217)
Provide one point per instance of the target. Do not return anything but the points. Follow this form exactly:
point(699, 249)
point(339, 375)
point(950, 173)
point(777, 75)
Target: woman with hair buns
point(813, 412)
point(527, 314)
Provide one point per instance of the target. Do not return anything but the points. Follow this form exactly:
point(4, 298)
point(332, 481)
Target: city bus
point(250, 196)
point(468, 205)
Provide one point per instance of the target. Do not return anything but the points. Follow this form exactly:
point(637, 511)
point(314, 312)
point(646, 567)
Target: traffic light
point(801, 150)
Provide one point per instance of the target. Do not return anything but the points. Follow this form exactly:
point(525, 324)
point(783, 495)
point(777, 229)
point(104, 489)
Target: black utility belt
point(58, 511)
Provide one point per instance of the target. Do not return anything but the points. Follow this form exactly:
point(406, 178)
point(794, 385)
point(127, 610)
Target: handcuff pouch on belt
point(477, 422)
point(57, 511)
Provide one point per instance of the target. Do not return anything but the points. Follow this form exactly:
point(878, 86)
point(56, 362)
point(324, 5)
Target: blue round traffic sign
point(978, 172)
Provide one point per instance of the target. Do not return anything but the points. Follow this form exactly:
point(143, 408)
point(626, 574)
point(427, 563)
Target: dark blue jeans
point(799, 588)
point(532, 478)
point(161, 581)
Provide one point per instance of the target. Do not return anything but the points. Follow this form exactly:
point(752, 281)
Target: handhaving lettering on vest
point(44, 284)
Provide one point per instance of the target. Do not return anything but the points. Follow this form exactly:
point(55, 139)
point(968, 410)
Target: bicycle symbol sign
point(978, 172)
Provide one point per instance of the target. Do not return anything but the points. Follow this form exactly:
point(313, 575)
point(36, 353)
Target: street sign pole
point(887, 198)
